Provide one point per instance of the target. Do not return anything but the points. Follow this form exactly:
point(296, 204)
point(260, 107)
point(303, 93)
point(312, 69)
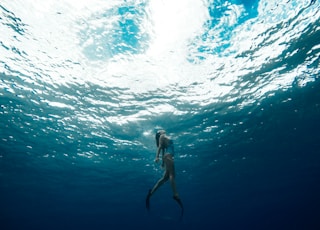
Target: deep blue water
point(84, 86)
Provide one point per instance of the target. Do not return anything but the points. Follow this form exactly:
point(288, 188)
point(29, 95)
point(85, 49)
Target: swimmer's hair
point(158, 134)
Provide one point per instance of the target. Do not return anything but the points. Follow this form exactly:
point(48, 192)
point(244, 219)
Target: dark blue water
point(84, 86)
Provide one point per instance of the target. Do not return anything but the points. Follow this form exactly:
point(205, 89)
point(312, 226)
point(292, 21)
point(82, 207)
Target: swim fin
point(148, 200)
point(176, 198)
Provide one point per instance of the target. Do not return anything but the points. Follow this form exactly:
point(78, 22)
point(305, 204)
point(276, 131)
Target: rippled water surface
point(85, 84)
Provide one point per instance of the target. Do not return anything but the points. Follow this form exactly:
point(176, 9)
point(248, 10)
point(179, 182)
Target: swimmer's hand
point(157, 160)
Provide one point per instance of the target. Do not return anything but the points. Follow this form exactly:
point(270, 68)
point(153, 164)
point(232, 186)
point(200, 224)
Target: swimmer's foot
point(148, 200)
point(176, 198)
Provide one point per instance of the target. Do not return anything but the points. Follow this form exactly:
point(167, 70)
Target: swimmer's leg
point(156, 186)
point(175, 193)
point(148, 200)
point(159, 183)
point(176, 198)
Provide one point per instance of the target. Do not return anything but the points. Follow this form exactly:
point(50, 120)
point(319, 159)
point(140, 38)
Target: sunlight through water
point(107, 69)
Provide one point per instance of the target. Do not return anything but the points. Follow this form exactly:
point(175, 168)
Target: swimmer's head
point(158, 134)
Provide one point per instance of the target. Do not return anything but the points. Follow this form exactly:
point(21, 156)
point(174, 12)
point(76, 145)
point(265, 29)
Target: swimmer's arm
point(157, 154)
point(161, 142)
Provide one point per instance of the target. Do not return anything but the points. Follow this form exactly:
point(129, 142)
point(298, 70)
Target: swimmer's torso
point(167, 145)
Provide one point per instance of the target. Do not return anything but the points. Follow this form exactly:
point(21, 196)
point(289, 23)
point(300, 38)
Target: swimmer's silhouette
point(165, 146)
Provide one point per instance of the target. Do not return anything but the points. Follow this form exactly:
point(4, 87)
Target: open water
point(84, 85)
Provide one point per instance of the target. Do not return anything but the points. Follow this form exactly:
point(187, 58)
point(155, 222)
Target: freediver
point(165, 146)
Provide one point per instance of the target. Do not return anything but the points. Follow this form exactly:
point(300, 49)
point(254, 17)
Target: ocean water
point(84, 85)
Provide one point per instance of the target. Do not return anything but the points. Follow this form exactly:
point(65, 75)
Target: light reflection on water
point(88, 72)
